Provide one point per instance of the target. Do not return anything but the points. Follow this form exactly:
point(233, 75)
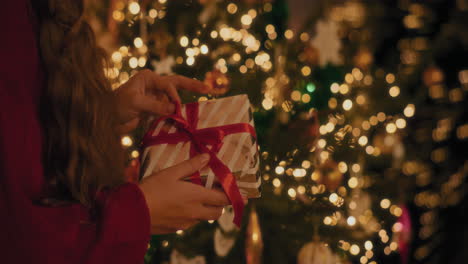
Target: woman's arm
point(31, 233)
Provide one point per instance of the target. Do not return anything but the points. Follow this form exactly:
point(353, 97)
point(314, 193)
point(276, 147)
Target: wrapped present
point(224, 129)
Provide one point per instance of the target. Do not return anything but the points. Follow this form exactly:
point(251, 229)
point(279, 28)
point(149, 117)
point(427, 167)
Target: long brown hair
point(82, 153)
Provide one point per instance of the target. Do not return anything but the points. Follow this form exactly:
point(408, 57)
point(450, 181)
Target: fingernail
point(204, 158)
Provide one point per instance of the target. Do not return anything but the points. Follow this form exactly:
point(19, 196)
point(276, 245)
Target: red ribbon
point(200, 139)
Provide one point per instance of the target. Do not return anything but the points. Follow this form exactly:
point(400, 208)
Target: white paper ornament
point(163, 66)
point(226, 220)
point(222, 244)
point(178, 258)
point(316, 253)
point(328, 43)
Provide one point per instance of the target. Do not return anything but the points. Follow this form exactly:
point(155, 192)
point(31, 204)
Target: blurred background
point(360, 111)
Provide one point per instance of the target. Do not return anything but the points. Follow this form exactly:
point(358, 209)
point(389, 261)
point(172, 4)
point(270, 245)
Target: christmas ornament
point(316, 253)
point(328, 43)
point(225, 235)
point(253, 241)
point(329, 175)
point(217, 81)
point(163, 66)
point(223, 243)
point(178, 258)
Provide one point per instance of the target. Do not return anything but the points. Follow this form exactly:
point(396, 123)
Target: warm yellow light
point(363, 140)
point(349, 78)
point(153, 13)
point(344, 88)
point(270, 28)
point(394, 91)
point(342, 167)
point(385, 203)
point(204, 49)
point(356, 168)
point(306, 98)
point(133, 62)
point(327, 220)
point(400, 123)
point(243, 69)
point(289, 34)
point(134, 8)
point(304, 36)
point(409, 110)
point(138, 42)
point(391, 128)
point(390, 78)
point(306, 70)
point(184, 41)
point(333, 198)
point(246, 20)
point(279, 170)
point(190, 61)
point(232, 8)
point(126, 141)
point(301, 189)
point(334, 88)
point(142, 61)
point(180, 232)
point(353, 182)
point(321, 143)
point(351, 221)
point(195, 41)
point(214, 34)
point(116, 57)
point(276, 182)
point(347, 104)
point(296, 95)
point(267, 103)
point(306, 164)
point(368, 245)
point(292, 193)
point(360, 99)
point(354, 249)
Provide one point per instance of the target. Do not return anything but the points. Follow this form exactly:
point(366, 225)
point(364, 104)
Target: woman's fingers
point(188, 167)
point(190, 84)
point(212, 197)
point(152, 105)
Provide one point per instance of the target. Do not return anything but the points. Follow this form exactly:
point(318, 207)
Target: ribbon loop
point(200, 139)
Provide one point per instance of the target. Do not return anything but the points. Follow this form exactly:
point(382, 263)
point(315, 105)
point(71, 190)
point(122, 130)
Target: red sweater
point(30, 233)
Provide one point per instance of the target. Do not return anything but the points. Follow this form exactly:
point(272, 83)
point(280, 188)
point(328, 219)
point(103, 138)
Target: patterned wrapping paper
point(239, 152)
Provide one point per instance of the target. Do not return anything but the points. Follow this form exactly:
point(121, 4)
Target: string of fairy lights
point(349, 124)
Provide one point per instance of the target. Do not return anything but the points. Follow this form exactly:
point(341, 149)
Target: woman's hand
point(149, 93)
point(176, 204)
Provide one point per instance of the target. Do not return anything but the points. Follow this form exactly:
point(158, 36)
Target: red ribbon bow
point(200, 139)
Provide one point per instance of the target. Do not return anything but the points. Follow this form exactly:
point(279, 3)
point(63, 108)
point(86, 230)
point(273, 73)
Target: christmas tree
point(359, 111)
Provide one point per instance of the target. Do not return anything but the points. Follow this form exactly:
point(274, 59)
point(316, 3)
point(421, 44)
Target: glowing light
point(351, 221)
point(344, 88)
point(243, 69)
point(353, 182)
point(133, 62)
point(306, 98)
point(342, 167)
point(279, 170)
point(301, 189)
point(267, 103)
point(390, 78)
point(333, 198)
point(246, 20)
point(334, 88)
point(135, 154)
point(394, 91)
point(296, 95)
point(204, 49)
point(409, 110)
point(356, 168)
point(232, 8)
point(180, 232)
point(360, 99)
point(153, 13)
point(400, 123)
point(184, 41)
point(327, 220)
point(214, 34)
point(304, 36)
point(134, 8)
point(142, 61)
point(195, 41)
point(368, 245)
point(306, 70)
point(190, 61)
point(276, 182)
point(306, 164)
point(299, 173)
point(363, 140)
point(391, 128)
point(292, 193)
point(310, 87)
point(354, 249)
point(116, 57)
point(289, 34)
point(322, 143)
point(385, 203)
point(138, 42)
point(126, 141)
point(347, 104)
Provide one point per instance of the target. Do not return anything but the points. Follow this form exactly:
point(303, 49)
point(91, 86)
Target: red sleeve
point(35, 234)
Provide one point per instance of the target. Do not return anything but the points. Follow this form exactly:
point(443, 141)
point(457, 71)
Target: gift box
point(224, 128)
